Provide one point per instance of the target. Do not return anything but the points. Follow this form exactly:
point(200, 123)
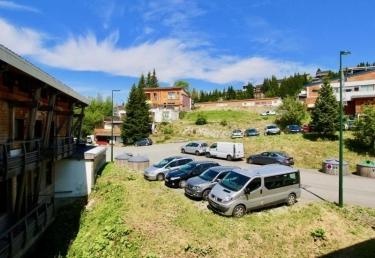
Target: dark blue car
point(293, 129)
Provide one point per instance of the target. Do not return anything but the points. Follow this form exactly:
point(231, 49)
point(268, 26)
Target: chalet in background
point(38, 118)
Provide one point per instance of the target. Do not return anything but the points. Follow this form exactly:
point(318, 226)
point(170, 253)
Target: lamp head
point(344, 53)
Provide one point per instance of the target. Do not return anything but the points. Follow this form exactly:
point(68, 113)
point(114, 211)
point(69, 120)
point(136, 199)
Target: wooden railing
point(17, 155)
point(17, 239)
point(63, 147)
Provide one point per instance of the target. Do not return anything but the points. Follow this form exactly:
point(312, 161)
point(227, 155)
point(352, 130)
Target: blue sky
point(98, 45)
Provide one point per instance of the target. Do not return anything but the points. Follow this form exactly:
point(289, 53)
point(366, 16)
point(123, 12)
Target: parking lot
point(316, 185)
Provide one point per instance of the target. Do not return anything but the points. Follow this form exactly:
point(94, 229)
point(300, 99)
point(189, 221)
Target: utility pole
point(112, 128)
point(341, 142)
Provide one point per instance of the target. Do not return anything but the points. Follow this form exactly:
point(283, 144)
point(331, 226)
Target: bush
point(291, 112)
point(168, 129)
point(365, 128)
point(224, 122)
point(318, 234)
point(201, 120)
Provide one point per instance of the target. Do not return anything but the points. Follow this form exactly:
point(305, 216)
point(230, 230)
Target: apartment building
point(358, 90)
point(169, 98)
point(38, 116)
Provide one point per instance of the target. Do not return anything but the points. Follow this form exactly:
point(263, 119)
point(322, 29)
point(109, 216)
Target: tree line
point(226, 94)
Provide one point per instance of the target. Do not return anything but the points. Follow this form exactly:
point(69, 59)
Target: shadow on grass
point(363, 250)
point(56, 240)
point(356, 146)
point(316, 136)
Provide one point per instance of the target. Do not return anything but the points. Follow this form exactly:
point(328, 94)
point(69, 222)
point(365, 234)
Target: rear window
point(273, 182)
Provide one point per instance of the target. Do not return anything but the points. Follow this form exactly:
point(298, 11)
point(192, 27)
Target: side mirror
point(218, 180)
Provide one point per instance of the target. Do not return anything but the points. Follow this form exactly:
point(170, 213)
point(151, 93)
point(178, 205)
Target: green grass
point(307, 153)
point(131, 217)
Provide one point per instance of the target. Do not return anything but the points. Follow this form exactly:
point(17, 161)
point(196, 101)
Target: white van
point(225, 150)
point(244, 190)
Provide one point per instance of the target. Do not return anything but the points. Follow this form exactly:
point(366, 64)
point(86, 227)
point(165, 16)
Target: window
point(155, 96)
point(356, 89)
point(222, 175)
point(38, 129)
point(213, 146)
point(172, 95)
point(254, 184)
point(273, 182)
point(184, 161)
point(173, 164)
point(195, 145)
point(265, 154)
point(348, 90)
point(19, 129)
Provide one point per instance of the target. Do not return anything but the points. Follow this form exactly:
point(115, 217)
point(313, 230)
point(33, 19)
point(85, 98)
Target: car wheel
point(239, 211)
point(205, 194)
point(182, 184)
point(292, 199)
point(250, 161)
point(208, 155)
point(182, 150)
point(160, 177)
point(197, 153)
point(229, 158)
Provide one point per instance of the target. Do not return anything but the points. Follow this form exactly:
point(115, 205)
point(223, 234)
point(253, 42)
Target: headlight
point(196, 188)
point(175, 178)
point(227, 199)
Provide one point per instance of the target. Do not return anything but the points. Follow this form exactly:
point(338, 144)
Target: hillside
point(130, 217)
point(307, 151)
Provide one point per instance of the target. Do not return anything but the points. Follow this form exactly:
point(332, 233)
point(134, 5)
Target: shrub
point(223, 122)
point(168, 129)
point(318, 234)
point(201, 120)
point(291, 112)
point(365, 128)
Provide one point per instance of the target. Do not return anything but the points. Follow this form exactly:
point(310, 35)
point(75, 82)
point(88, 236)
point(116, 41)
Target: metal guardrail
point(17, 239)
point(18, 154)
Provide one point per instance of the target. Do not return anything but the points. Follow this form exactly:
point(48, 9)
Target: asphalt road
point(316, 186)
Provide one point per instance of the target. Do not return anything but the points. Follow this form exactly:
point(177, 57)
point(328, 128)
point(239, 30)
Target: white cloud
point(14, 6)
point(172, 58)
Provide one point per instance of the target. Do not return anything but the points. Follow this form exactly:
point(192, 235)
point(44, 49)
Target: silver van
point(196, 147)
point(159, 170)
point(244, 190)
point(200, 186)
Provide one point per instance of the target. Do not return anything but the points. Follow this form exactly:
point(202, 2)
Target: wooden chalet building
point(38, 117)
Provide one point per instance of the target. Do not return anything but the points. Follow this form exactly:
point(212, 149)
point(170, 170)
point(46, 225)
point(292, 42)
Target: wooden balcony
point(63, 147)
point(21, 236)
point(17, 155)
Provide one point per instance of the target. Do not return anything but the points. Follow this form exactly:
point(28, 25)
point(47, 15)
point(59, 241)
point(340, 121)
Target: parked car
point(251, 132)
point(179, 177)
point(243, 190)
point(143, 142)
point(200, 186)
point(196, 147)
point(226, 150)
point(272, 130)
point(293, 129)
point(307, 128)
point(268, 113)
point(271, 157)
point(237, 133)
point(159, 170)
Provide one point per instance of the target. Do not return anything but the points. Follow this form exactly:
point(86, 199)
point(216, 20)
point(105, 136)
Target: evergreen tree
point(154, 80)
point(249, 93)
point(148, 80)
point(291, 112)
point(365, 128)
point(142, 82)
point(137, 121)
point(324, 115)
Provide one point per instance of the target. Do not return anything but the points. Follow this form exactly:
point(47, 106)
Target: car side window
point(273, 155)
point(173, 164)
point(254, 184)
point(204, 145)
point(213, 146)
point(195, 145)
point(265, 154)
point(183, 161)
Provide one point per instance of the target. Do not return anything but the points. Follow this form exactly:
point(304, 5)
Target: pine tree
point(324, 115)
point(142, 82)
point(137, 121)
point(154, 80)
point(148, 80)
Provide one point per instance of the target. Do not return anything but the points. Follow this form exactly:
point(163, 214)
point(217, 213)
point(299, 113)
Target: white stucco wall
point(76, 178)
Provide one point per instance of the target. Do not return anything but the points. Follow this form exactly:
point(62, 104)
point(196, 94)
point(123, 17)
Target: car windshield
point(281, 153)
point(271, 126)
point(234, 181)
point(236, 131)
point(209, 175)
point(187, 168)
point(252, 130)
point(294, 127)
point(163, 162)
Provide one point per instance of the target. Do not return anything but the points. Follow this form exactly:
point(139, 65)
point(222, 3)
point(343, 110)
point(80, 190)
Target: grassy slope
point(307, 153)
point(130, 217)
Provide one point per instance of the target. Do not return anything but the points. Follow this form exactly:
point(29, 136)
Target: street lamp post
point(112, 128)
point(341, 142)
